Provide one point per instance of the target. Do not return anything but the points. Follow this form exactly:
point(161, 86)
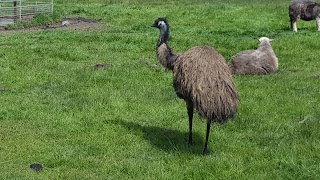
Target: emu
point(263, 60)
point(303, 9)
point(202, 78)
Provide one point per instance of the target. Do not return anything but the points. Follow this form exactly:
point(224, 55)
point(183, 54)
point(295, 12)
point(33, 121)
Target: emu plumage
point(201, 77)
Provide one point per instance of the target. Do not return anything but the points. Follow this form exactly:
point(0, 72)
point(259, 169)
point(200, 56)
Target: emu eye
point(160, 23)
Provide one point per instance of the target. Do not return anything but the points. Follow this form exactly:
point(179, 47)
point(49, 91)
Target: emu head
point(160, 23)
point(163, 26)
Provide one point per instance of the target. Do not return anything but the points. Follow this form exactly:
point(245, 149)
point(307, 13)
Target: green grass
point(37, 20)
point(125, 121)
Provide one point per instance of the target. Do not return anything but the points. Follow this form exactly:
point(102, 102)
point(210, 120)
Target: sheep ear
point(271, 40)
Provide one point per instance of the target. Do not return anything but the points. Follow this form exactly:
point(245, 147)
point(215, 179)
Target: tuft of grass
point(37, 20)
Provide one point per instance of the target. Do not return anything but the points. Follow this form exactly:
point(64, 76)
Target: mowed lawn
point(124, 121)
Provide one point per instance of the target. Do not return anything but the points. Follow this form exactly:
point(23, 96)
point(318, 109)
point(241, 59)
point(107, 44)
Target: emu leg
point(189, 105)
point(205, 150)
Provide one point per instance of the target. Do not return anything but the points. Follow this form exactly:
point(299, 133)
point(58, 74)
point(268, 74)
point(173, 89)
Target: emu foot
point(190, 142)
point(205, 152)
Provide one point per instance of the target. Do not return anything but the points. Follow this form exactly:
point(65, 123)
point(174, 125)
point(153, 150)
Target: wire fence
point(17, 10)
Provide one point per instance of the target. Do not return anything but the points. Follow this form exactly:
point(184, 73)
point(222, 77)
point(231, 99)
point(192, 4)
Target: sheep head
point(264, 39)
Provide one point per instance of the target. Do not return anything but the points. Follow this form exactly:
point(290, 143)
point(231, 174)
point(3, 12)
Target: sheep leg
point(318, 23)
point(189, 105)
point(205, 150)
point(294, 25)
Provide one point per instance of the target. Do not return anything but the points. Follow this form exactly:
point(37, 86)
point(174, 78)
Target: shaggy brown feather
point(165, 56)
point(201, 75)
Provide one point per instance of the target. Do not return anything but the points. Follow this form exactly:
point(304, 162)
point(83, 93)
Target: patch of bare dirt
point(102, 66)
point(68, 23)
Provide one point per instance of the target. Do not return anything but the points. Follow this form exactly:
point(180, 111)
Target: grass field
point(125, 121)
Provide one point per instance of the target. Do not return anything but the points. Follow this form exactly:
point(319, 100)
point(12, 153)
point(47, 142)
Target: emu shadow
point(169, 140)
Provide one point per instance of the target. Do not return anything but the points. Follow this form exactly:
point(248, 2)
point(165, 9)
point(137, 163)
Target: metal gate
point(12, 11)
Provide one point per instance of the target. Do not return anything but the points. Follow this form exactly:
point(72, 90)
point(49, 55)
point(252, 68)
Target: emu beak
point(155, 24)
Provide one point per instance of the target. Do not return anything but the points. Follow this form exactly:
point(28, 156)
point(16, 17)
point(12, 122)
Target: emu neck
point(164, 52)
point(164, 36)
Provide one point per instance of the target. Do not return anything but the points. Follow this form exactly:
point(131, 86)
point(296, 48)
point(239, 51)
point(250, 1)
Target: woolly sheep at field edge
point(263, 60)
point(304, 9)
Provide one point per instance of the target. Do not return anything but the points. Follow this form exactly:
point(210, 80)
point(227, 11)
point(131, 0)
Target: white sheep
point(263, 60)
point(304, 9)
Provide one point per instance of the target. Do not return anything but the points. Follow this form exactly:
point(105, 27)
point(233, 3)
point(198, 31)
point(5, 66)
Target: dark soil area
point(68, 23)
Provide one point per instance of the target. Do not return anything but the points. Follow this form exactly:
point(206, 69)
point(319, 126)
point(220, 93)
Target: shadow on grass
point(166, 139)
